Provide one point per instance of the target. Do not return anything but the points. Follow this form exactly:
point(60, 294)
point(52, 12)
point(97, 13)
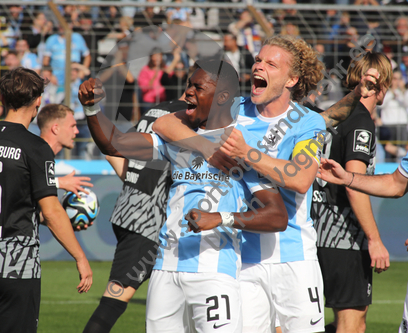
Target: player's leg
point(347, 279)
point(132, 265)
point(351, 320)
point(404, 323)
point(257, 309)
point(214, 302)
point(19, 298)
point(297, 289)
point(166, 304)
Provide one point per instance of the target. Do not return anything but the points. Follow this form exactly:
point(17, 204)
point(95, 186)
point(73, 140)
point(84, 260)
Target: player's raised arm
point(57, 221)
point(270, 217)
point(107, 137)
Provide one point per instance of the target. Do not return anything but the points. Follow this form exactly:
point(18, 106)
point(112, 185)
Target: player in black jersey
point(27, 185)
point(348, 241)
point(139, 213)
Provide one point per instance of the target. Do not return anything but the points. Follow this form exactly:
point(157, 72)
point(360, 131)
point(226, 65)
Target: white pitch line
point(387, 301)
point(69, 302)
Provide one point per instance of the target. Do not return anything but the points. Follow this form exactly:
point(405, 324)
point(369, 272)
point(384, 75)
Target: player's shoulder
point(359, 118)
point(303, 118)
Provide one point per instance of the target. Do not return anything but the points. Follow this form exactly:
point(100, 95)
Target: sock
point(330, 328)
point(105, 315)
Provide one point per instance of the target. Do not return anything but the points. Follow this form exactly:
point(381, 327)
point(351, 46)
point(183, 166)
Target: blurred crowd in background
point(101, 44)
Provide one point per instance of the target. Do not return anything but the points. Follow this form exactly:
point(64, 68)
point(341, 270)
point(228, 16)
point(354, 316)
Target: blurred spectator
point(17, 19)
point(119, 83)
point(242, 61)
point(290, 29)
point(347, 41)
point(394, 110)
point(149, 81)
point(80, 149)
point(125, 28)
point(50, 95)
point(11, 60)
point(403, 66)
point(249, 34)
point(38, 33)
point(54, 54)
point(27, 59)
point(7, 34)
point(174, 77)
point(181, 13)
point(401, 25)
point(149, 16)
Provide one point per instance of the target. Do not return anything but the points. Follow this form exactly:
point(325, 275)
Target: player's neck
point(370, 103)
point(219, 120)
point(274, 108)
point(22, 116)
point(53, 143)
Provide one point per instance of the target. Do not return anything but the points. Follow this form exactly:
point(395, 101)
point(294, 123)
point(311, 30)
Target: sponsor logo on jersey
point(178, 175)
point(197, 163)
point(362, 141)
point(50, 172)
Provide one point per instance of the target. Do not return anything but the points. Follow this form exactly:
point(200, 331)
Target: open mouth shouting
point(259, 84)
point(190, 107)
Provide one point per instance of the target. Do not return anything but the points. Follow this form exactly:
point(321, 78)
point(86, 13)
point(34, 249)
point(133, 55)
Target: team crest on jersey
point(272, 140)
point(197, 163)
point(362, 141)
point(50, 172)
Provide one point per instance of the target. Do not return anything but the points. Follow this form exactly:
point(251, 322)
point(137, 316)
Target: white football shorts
point(193, 302)
point(293, 289)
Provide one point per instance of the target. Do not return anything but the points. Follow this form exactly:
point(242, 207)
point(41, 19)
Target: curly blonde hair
point(305, 65)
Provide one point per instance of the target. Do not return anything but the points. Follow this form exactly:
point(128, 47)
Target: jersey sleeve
point(359, 140)
point(160, 151)
point(48, 46)
point(42, 167)
point(311, 137)
point(82, 46)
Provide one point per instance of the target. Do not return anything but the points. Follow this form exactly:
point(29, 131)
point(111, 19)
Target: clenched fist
point(90, 92)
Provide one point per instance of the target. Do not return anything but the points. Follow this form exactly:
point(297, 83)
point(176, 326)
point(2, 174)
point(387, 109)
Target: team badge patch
point(50, 172)
point(362, 141)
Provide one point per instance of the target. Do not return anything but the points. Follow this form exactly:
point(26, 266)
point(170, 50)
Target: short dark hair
point(51, 112)
point(20, 87)
point(221, 72)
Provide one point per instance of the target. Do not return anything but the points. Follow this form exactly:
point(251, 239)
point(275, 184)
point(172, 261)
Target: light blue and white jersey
point(30, 61)
point(403, 166)
point(278, 140)
point(196, 184)
point(55, 48)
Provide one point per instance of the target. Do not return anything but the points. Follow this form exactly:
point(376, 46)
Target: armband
point(91, 110)
point(227, 219)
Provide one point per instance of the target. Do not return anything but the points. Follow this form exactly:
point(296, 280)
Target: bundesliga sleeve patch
point(362, 141)
point(50, 172)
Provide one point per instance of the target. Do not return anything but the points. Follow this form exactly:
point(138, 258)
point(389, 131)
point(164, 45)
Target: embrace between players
point(208, 275)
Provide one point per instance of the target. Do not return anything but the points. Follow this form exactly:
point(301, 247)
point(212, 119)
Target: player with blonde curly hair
point(280, 271)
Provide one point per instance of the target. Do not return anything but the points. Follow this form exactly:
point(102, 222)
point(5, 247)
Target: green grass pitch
point(63, 310)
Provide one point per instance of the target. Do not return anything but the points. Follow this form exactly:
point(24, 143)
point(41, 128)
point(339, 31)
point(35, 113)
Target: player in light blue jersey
point(194, 283)
point(280, 271)
point(393, 185)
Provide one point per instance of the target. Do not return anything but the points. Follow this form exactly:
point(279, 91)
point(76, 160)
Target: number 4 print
point(314, 299)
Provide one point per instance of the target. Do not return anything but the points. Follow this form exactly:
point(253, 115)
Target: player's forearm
point(378, 185)
point(58, 223)
point(270, 218)
point(175, 128)
point(361, 206)
point(291, 175)
point(341, 110)
point(113, 142)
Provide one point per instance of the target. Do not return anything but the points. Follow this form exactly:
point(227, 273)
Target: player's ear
point(291, 82)
point(55, 128)
point(223, 97)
